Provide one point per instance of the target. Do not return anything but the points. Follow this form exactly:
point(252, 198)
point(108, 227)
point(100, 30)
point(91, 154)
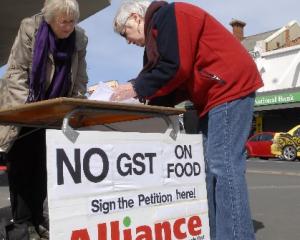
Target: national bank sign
point(282, 98)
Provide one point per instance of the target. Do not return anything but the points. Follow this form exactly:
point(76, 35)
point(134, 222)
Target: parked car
point(286, 145)
point(259, 145)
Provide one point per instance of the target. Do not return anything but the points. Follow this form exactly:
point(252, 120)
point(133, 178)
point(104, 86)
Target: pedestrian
point(47, 60)
point(189, 55)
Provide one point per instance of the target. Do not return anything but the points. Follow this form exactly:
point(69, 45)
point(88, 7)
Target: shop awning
point(278, 99)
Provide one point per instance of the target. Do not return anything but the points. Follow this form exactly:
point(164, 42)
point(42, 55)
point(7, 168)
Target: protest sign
point(126, 185)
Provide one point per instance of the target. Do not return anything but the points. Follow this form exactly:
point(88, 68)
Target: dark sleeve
point(166, 101)
point(151, 84)
point(170, 100)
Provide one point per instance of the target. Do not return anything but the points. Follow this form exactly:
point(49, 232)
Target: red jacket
point(199, 60)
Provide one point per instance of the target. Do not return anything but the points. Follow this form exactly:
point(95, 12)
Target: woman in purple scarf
point(47, 61)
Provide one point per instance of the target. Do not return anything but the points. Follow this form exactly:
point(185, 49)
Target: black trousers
point(27, 177)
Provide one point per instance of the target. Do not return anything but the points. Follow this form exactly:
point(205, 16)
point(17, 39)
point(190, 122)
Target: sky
point(109, 57)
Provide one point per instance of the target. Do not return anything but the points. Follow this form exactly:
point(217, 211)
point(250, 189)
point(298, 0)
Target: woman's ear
point(136, 17)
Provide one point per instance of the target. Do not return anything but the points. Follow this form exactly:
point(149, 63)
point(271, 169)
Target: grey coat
point(14, 88)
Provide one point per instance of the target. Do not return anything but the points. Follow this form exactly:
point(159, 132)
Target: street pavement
point(274, 188)
point(274, 192)
point(4, 197)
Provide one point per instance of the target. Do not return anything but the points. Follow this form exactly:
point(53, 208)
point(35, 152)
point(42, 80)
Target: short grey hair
point(51, 7)
point(127, 8)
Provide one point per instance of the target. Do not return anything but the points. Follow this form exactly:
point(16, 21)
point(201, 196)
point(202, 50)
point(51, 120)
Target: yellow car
point(287, 145)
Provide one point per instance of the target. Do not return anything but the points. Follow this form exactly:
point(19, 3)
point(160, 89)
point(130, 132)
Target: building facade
point(277, 55)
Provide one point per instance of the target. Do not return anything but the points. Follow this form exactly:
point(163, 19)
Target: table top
point(50, 113)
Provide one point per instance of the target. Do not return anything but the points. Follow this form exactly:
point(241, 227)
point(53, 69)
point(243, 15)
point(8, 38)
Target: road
point(4, 197)
point(274, 188)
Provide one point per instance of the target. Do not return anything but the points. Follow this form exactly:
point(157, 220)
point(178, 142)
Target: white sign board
point(126, 186)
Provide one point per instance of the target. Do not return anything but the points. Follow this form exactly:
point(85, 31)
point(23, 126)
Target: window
point(297, 133)
point(266, 137)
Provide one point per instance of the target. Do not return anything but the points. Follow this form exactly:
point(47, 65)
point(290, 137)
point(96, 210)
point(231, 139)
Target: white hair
point(51, 7)
point(127, 8)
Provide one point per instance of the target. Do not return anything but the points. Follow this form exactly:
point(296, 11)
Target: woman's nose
point(70, 28)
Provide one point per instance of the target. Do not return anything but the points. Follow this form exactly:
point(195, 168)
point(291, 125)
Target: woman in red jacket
point(189, 55)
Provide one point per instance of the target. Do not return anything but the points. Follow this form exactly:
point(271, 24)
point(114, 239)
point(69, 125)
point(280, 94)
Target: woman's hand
point(123, 92)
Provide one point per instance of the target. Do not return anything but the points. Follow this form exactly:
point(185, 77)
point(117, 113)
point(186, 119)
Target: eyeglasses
point(64, 23)
point(123, 32)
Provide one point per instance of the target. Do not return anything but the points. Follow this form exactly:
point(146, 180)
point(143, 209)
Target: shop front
point(277, 110)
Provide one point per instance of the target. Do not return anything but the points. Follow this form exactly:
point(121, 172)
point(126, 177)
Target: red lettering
point(146, 233)
point(81, 234)
point(102, 231)
point(159, 228)
point(177, 231)
point(115, 230)
point(181, 227)
point(194, 225)
point(127, 234)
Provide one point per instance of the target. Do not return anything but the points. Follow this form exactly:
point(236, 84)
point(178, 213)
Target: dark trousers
point(27, 177)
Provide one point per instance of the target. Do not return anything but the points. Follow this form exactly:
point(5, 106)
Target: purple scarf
point(62, 51)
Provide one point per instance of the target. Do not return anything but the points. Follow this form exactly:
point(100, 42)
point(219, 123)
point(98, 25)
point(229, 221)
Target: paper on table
point(103, 92)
